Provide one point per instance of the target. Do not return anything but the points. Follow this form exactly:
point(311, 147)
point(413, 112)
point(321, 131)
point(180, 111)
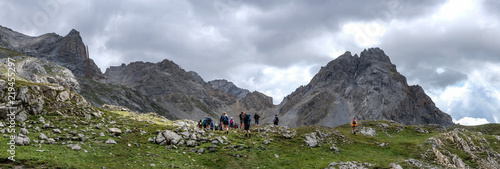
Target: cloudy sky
point(450, 48)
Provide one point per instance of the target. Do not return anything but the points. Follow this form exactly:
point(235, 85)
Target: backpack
point(209, 119)
point(256, 116)
point(231, 122)
point(249, 118)
point(354, 122)
point(276, 119)
point(225, 119)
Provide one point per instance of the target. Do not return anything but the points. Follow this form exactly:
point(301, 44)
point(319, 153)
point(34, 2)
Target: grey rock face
point(362, 87)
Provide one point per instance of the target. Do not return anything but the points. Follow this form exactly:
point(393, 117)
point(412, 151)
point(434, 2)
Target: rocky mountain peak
point(68, 51)
point(229, 87)
point(365, 87)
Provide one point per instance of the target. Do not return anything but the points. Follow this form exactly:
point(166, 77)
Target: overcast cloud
point(450, 48)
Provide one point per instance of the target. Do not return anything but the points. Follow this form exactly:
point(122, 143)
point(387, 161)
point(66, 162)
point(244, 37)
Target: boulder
point(168, 137)
point(115, 131)
point(311, 140)
point(21, 116)
point(180, 143)
point(110, 141)
point(51, 141)
point(22, 140)
point(201, 150)
point(76, 147)
point(395, 166)
point(212, 148)
point(24, 131)
point(57, 131)
point(191, 143)
point(368, 131)
point(42, 136)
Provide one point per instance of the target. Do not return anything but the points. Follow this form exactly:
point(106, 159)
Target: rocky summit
point(68, 51)
point(362, 87)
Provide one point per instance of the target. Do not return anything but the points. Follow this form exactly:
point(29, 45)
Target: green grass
point(292, 153)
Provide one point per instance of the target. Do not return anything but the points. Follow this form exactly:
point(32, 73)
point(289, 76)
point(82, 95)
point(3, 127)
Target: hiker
point(225, 122)
point(246, 119)
point(210, 122)
point(276, 120)
point(354, 124)
point(200, 124)
point(216, 127)
point(231, 123)
point(256, 117)
point(205, 122)
point(241, 120)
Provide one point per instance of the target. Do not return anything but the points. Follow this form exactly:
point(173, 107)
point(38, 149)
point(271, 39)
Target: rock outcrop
point(364, 87)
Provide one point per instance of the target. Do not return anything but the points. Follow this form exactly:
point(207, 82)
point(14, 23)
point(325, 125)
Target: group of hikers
point(245, 118)
point(225, 123)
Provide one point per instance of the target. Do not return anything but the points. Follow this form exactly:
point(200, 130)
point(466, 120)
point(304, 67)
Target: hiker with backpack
point(246, 119)
point(200, 124)
point(225, 122)
point(231, 123)
point(276, 120)
point(205, 122)
point(241, 120)
point(354, 124)
point(210, 122)
point(256, 117)
point(212, 126)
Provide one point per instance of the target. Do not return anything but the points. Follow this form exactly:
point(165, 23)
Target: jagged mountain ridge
point(365, 87)
point(229, 87)
point(68, 51)
point(182, 93)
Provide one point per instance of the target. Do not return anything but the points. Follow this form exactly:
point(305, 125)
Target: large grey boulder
point(311, 140)
point(168, 137)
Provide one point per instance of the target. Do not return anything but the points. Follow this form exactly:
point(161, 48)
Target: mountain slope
point(365, 87)
point(183, 94)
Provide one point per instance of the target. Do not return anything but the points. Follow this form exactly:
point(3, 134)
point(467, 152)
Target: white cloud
point(469, 121)
point(272, 81)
